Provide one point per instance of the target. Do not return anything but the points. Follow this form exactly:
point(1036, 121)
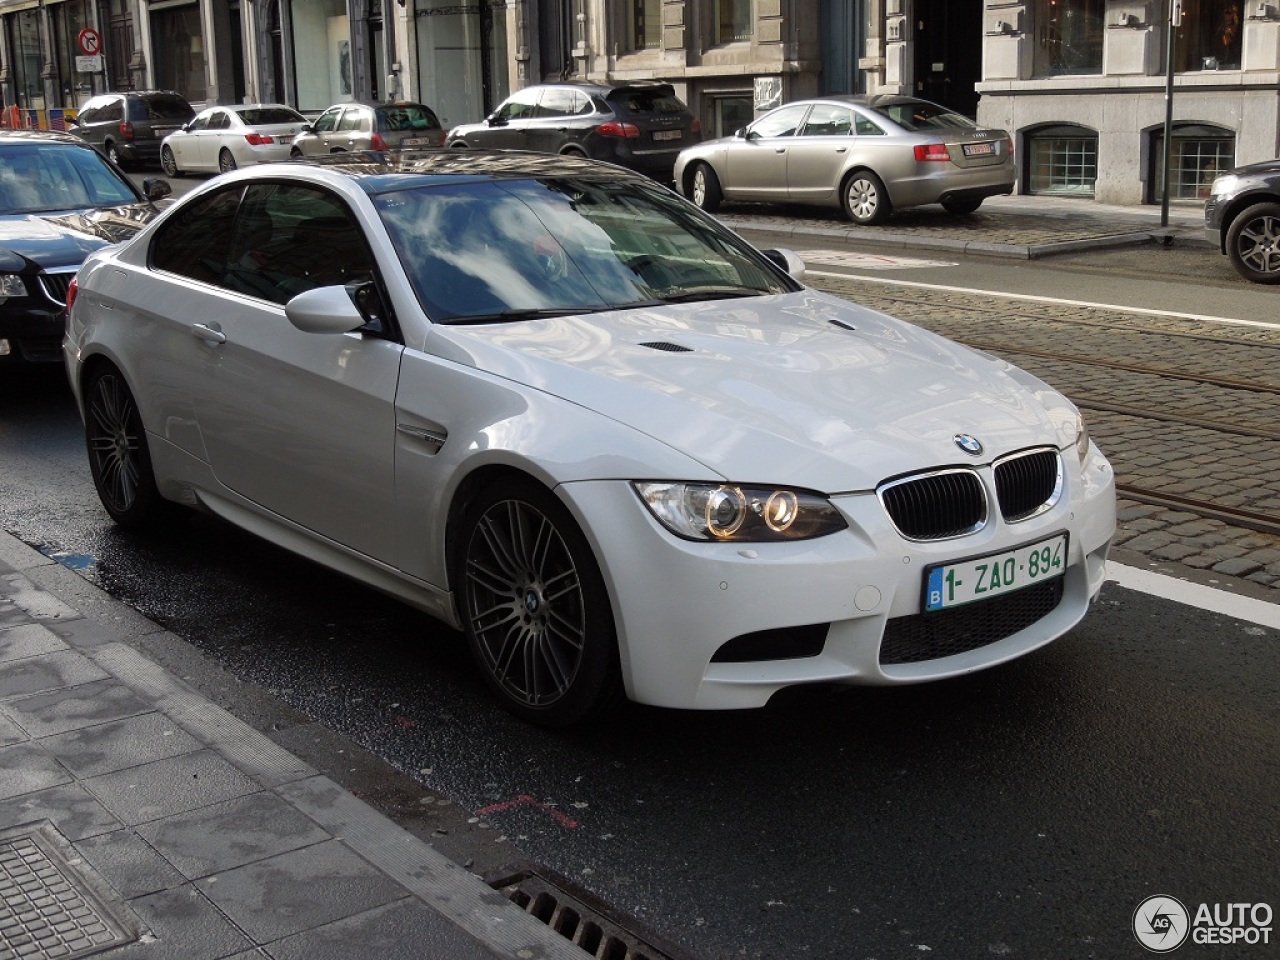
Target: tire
point(534, 606)
point(170, 163)
point(113, 154)
point(1253, 243)
point(226, 162)
point(704, 188)
point(295, 154)
point(865, 199)
point(961, 207)
point(119, 459)
point(458, 145)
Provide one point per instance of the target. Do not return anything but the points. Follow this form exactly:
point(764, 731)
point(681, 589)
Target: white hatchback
point(568, 413)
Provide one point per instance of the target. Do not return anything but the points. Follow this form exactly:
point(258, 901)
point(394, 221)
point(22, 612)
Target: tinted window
point(407, 116)
point(160, 109)
point(42, 177)
point(261, 115)
point(194, 241)
point(922, 115)
point(290, 239)
point(520, 106)
point(648, 101)
point(112, 112)
point(866, 127)
point(220, 121)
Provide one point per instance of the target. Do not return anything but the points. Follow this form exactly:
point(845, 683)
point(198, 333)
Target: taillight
point(627, 131)
point(377, 143)
point(696, 126)
point(126, 130)
point(72, 289)
point(1010, 142)
point(932, 151)
point(258, 139)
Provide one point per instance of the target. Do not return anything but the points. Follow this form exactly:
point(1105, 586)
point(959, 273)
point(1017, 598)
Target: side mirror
point(786, 261)
point(305, 128)
point(741, 133)
point(156, 189)
point(494, 120)
point(324, 310)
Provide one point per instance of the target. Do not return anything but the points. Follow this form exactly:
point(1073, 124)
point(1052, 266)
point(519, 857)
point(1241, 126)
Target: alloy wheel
point(115, 442)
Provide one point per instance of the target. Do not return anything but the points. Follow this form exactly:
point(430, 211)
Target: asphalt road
point(1023, 812)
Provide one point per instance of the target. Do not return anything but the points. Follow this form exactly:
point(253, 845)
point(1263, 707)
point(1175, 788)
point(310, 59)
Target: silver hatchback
point(867, 155)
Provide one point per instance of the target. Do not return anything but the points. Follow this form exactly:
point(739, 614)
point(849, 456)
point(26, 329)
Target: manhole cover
point(48, 904)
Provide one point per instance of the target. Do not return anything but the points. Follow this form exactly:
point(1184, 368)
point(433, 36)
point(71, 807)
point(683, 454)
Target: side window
point(520, 106)
point(865, 127)
point(112, 112)
point(219, 120)
point(200, 123)
point(290, 239)
point(351, 119)
point(826, 120)
point(781, 123)
point(556, 102)
point(194, 242)
point(327, 121)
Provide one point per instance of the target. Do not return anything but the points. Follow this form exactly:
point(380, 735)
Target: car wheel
point(226, 162)
point(119, 459)
point(961, 206)
point(865, 199)
point(705, 188)
point(170, 163)
point(458, 145)
point(534, 606)
point(1253, 243)
point(295, 154)
point(113, 154)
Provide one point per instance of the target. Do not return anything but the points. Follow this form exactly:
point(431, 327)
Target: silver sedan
point(867, 155)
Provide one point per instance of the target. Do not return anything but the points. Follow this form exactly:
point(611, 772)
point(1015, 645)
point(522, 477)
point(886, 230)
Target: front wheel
point(534, 606)
point(705, 188)
point(170, 163)
point(961, 206)
point(865, 199)
point(226, 162)
point(1253, 243)
point(119, 459)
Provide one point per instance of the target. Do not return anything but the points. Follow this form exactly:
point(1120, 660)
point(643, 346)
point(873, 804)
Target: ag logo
point(1161, 924)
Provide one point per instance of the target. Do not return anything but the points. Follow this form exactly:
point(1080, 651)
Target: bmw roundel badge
point(968, 443)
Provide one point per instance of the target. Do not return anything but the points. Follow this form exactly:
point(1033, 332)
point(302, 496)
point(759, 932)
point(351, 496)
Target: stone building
point(1080, 83)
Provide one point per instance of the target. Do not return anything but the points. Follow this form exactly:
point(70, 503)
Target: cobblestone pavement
point(1166, 432)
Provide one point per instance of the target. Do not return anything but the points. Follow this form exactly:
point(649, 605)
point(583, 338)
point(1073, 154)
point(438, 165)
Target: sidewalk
point(139, 820)
point(1020, 227)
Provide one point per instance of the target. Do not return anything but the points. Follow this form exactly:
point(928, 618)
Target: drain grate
point(579, 916)
point(47, 906)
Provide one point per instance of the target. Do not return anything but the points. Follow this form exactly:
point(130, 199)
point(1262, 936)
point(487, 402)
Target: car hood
point(1262, 167)
point(64, 239)
point(802, 388)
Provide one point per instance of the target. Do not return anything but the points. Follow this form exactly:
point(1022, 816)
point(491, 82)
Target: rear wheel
point(865, 198)
point(705, 188)
point(119, 459)
point(113, 154)
point(1253, 243)
point(226, 162)
point(961, 206)
point(170, 163)
point(534, 606)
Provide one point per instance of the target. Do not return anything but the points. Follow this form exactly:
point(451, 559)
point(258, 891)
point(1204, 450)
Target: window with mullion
point(733, 21)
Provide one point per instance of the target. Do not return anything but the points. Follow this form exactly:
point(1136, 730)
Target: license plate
point(955, 584)
point(668, 134)
point(415, 142)
point(979, 149)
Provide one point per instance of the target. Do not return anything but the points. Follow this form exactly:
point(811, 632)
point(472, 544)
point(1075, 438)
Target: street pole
point(1175, 20)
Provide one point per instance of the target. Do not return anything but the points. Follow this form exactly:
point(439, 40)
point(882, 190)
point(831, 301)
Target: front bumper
point(676, 603)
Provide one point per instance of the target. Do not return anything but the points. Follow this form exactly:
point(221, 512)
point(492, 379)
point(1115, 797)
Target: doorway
point(948, 52)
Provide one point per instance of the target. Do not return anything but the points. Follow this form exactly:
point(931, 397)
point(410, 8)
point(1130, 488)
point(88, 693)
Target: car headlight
point(728, 512)
point(1223, 184)
point(11, 285)
point(1082, 440)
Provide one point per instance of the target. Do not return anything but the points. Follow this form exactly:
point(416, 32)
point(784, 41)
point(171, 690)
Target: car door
point(210, 139)
point(352, 132)
point(313, 142)
point(300, 424)
point(506, 127)
point(817, 155)
point(756, 164)
point(549, 127)
point(185, 144)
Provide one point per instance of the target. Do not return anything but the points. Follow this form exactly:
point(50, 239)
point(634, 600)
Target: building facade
point(1080, 83)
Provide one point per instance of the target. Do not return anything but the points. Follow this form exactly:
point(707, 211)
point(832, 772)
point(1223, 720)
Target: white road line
point(1039, 299)
point(1196, 595)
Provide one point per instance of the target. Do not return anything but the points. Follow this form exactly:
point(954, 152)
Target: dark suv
point(638, 125)
point(1242, 219)
point(128, 127)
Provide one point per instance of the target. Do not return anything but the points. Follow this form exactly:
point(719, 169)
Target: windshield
point(920, 115)
point(40, 177)
point(498, 250)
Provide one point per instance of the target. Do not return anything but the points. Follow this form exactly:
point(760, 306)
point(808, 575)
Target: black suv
point(128, 127)
point(1242, 219)
point(638, 125)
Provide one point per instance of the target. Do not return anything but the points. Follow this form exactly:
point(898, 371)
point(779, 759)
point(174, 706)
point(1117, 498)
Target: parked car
point(1242, 219)
point(562, 409)
point(638, 125)
point(224, 138)
point(59, 199)
point(128, 127)
point(867, 155)
point(348, 127)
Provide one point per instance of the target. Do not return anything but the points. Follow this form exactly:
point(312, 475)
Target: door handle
point(841, 149)
point(779, 149)
point(210, 333)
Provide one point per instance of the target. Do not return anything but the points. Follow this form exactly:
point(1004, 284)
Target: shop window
point(1068, 36)
point(1209, 37)
point(24, 44)
point(733, 20)
point(177, 43)
point(645, 26)
point(730, 112)
point(1062, 161)
point(1197, 154)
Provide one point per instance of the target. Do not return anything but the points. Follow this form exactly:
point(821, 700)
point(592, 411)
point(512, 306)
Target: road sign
point(89, 41)
point(89, 64)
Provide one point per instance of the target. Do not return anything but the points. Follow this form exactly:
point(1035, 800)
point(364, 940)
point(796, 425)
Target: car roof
point(377, 171)
point(41, 136)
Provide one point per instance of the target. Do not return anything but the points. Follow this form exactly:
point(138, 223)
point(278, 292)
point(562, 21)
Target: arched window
point(1062, 160)
point(1198, 152)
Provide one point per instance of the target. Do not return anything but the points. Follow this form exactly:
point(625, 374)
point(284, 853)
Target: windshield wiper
point(694, 294)
point(526, 313)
